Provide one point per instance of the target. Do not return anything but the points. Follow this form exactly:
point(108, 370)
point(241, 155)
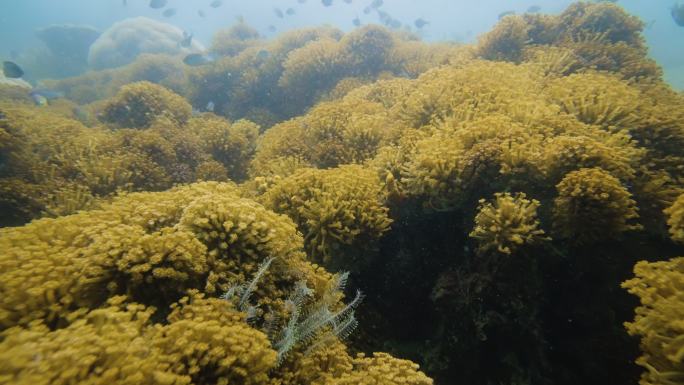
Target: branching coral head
point(507, 224)
point(593, 205)
point(675, 219)
point(658, 320)
point(137, 105)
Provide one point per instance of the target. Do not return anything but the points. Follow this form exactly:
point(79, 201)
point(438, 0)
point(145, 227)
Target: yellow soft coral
point(603, 18)
point(164, 263)
point(562, 154)
point(507, 224)
point(209, 342)
point(382, 369)
point(474, 89)
point(597, 99)
point(104, 346)
point(366, 49)
point(318, 367)
point(658, 320)
point(40, 160)
point(232, 41)
point(675, 219)
point(584, 37)
point(319, 63)
point(331, 134)
point(338, 133)
point(161, 69)
point(239, 234)
point(54, 165)
point(506, 41)
point(442, 169)
point(432, 177)
point(413, 57)
point(333, 209)
point(232, 145)
point(137, 105)
point(593, 205)
point(151, 246)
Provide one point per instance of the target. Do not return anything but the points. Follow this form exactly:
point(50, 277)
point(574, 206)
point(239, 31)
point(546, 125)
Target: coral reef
point(256, 79)
point(102, 276)
point(54, 165)
point(126, 39)
point(487, 199)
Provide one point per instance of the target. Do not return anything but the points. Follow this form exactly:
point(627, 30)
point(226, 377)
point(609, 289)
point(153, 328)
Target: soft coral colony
point(127, 293)
point(488, 199)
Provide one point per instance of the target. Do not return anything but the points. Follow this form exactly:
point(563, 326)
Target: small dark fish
point(169, 12)
point(377, 4)
point(187, 40)
point(677, 12)
point(196, 59)
point(271, 28)
point(394, 23)
point(200, 13)
point(290, 11)
point(420, 23)
point(356, 22)
point(125, 2)
point(216, 3)
point(505, 13)
point(301, 1)
point(12, 70)
point(367, 10)
point(156, 4)
point(533, 9)
point(326, 3)
point(278, 13)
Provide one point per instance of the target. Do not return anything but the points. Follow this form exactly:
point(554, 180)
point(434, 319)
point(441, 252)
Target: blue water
point(450, 20)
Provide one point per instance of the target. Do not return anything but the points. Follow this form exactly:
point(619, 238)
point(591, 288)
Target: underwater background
point(450, 20)
point(340, 192)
